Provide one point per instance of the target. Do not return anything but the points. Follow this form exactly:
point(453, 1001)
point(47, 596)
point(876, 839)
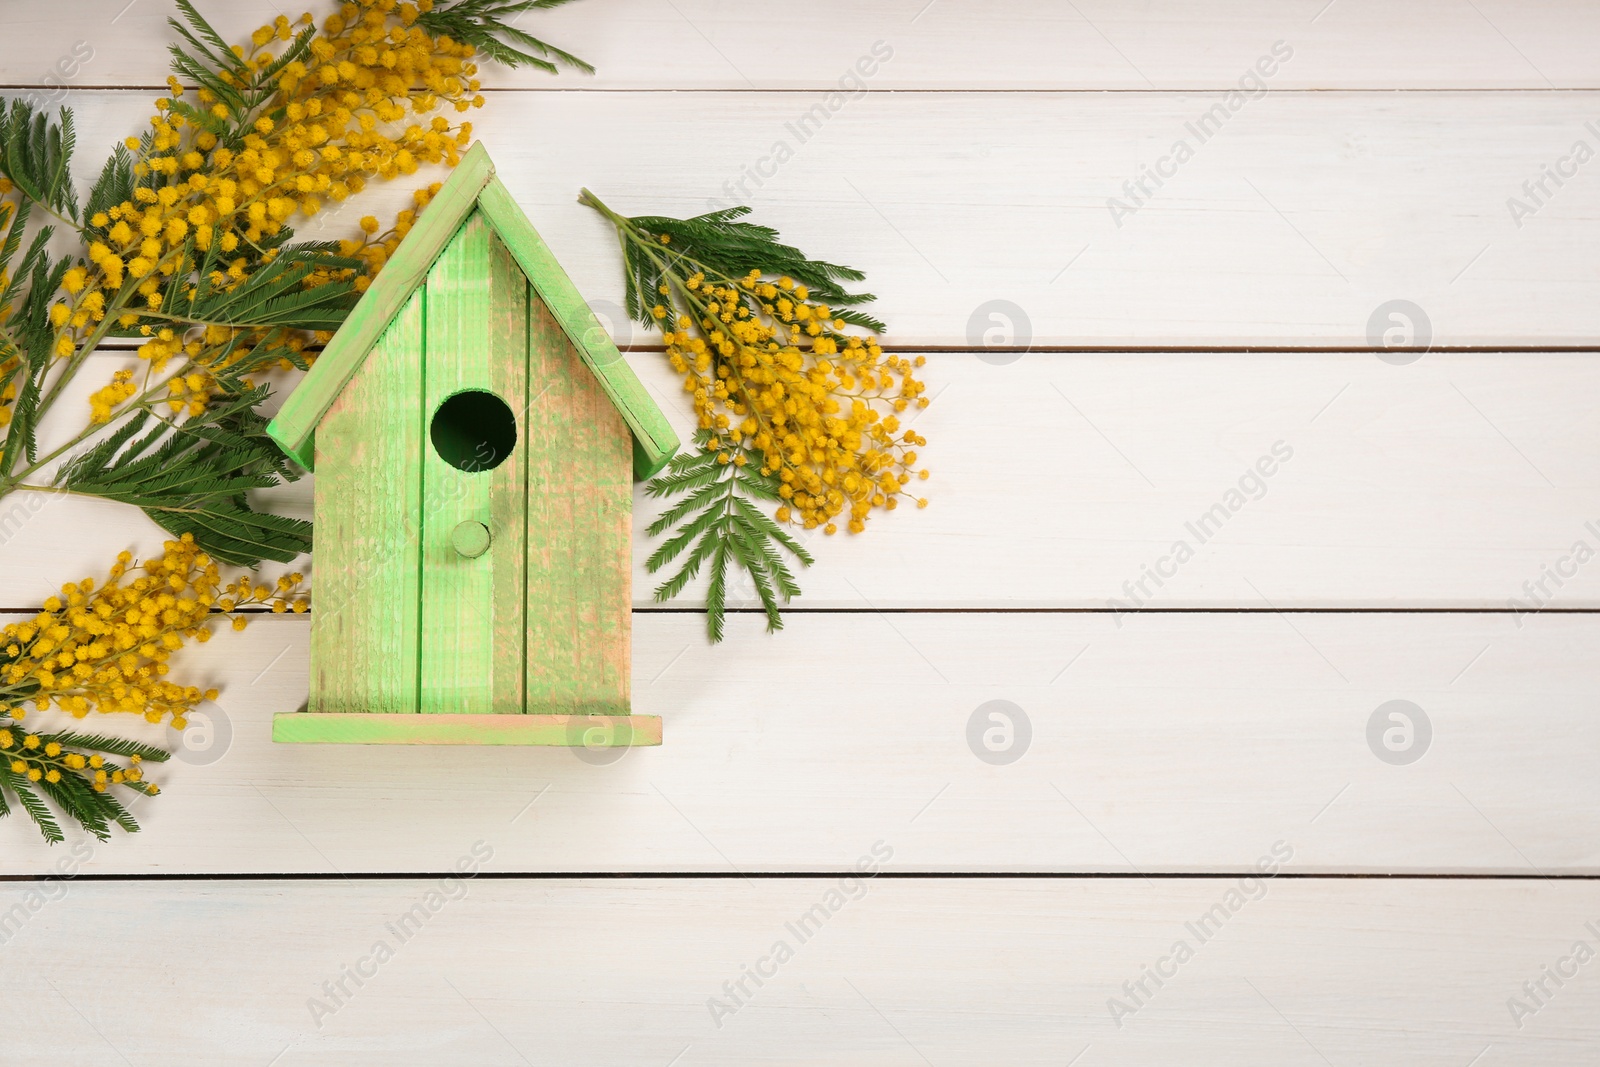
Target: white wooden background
point(1137, 372)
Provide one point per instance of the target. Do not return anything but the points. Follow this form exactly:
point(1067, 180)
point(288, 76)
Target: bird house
point(475, 436)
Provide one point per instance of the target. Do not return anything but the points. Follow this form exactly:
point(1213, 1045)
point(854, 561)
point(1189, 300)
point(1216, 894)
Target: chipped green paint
point(475, 437)
point(368, 550)
point(476, 341)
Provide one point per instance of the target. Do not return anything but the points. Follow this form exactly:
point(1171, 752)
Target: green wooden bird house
point(475, 436)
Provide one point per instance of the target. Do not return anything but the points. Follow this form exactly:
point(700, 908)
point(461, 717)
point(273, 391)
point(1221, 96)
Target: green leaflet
point(718, 525)
point(489, 26)
point(720, 245)
point(208, 56)
point(36, 154)
point(74, 794)
point(272, 296)
point(192, 478)
point(34, 805)
point(28, 338)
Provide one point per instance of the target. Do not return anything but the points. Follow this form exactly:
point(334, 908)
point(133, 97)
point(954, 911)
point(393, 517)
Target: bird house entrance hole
point(473, 430)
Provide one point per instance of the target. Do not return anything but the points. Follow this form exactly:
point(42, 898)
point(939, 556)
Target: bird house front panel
point(474, 482)
point(474, 477)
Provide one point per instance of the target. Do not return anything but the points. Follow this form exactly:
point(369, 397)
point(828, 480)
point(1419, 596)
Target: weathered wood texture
point(471, 190)
point(539, 620)
point(884, 971)
point(296, 424)
point(654, 442)
point(1174, 743)
point(1168, 743)
point(935, 44)
point(369, 506)
point(580, 522)
point(472, 623)
point(1420, 486)
point(464, 651)
point(1358, 199)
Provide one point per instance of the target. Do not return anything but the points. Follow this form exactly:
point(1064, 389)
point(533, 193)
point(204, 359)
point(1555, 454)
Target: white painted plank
point(938, 44)
point(1178, 743)
point(1292, 225)
point(1463, 480)
point(886, 971)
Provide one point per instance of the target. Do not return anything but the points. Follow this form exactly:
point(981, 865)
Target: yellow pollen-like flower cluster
point(772, 373)
point(107, 648)
point(30, 756)
point(190, 392)
point(374, 248)
point(102, 400)
point(368, 100)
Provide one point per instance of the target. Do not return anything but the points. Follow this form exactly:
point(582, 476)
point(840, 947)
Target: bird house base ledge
point(563, 731)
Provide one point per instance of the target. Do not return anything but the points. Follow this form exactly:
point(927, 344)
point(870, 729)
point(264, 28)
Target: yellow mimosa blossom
point(107, 647)
point(206, 179)
point(776, 380)
point(816, 409)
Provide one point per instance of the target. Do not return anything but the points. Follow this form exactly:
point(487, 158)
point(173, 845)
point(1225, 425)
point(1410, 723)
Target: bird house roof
point(472, 186)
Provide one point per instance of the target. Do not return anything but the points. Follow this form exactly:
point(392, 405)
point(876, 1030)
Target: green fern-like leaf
point(274, 296)
point(107, 745)
point(74, 792)
point(31, 337)
point(717, 527)
point(35, 806)
point(115, 184)
point(192, 478)
point(36, 154)
point(489, 26)
point(73, 795)
point(721, 246)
